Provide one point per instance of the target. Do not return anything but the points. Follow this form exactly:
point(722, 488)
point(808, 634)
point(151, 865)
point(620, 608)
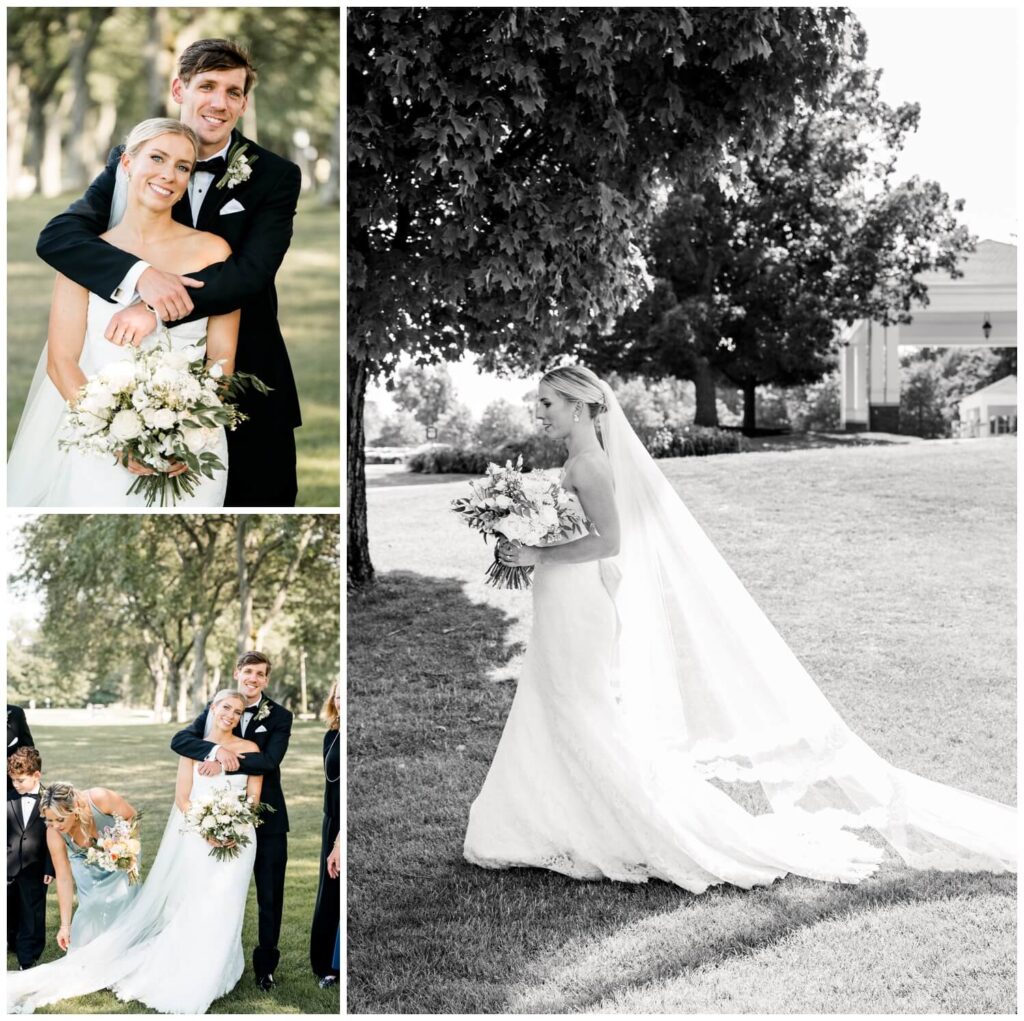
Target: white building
point(990, 411)
point(977, 309)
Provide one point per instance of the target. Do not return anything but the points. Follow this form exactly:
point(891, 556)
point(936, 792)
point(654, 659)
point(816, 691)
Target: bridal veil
point(708, 673)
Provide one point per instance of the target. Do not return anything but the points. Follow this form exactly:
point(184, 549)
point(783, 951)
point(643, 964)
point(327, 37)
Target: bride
point(651, 672)
point(153, 175)
point(157, 951)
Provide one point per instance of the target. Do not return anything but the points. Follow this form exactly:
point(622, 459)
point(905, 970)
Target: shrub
point(543, 452)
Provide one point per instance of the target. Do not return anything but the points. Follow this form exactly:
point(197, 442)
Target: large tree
point(756, 267)
point(502, 162)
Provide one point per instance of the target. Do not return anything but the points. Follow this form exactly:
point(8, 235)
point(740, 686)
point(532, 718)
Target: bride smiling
point(152, 177)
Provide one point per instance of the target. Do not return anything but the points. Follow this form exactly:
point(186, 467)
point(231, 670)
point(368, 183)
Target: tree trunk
point(707, 403)
point(87, 25)
point(360, 567)
point(259, 632)
point(156, 661)
point(51, 171)
point(331, 191)
point(250, 122)
point(303, 704)
point(749, 408)
point(17, 128)
point(178, 681)
point(199, 659)
point(244, 586)
point(159, 63)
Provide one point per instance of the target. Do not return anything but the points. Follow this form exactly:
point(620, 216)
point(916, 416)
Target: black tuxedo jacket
point(271, 735)
point(18, 734)
point(26, 845)
point(259, 236)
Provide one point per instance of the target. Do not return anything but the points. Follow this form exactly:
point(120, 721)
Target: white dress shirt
point(27, 804)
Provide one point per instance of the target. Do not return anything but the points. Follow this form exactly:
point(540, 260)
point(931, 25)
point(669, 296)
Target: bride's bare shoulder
point(210, 248)
point(590, 466)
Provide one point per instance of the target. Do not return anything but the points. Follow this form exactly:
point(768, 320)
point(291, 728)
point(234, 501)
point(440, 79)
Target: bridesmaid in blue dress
point(74, 819)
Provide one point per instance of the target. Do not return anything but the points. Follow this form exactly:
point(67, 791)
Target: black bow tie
point(34, 797)
point(215, 166)
point(252, 708)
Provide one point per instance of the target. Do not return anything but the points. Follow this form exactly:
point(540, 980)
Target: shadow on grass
point(429, 933)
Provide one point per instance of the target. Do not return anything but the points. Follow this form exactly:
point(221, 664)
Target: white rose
point(140, 399)
point(166, 376)
point(96, 400)
point(89, 423)
point(503, 501)
point(196, 438)
point(126, 425)
point(208, 823)
point(118, 375)
point(216, 370)
point(163, 418)
point(224, 818)
point(177, 360)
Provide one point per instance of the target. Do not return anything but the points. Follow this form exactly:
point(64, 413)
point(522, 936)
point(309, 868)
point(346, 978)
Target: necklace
point(326, 754)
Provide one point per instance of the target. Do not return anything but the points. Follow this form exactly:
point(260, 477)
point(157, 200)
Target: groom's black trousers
point(271, 859)
point(261, 465)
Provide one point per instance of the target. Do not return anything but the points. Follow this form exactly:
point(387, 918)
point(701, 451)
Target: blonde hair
point(64, 800)
point(330, 710)
point(577, 383)
point(227, 693)
point(149, 129)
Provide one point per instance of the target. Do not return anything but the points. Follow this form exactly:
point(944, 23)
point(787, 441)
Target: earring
point(576, 415)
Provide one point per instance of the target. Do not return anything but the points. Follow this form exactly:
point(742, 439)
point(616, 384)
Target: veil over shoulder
point(713, 678)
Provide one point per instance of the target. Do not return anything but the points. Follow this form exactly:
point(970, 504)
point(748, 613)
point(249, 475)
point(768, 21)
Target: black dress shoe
point(265, 982)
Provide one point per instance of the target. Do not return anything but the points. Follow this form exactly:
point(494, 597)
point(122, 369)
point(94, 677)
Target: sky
point(960, 64)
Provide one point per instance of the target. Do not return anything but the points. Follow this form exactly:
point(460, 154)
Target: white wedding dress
point(178, 947)
point(649, 675)
point(40, 474)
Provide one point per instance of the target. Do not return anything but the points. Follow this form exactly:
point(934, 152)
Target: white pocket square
point(11, 744)
point(261, 730)
point(234, 206)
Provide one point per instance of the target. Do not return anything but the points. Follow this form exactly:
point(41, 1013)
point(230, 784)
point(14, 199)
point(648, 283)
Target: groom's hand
point(167, 293)
point(229, 760)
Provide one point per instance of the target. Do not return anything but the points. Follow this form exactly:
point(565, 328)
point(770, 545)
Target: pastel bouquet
point(117, 849)
point(225, 816)
point(530, 508)
point(163, 407)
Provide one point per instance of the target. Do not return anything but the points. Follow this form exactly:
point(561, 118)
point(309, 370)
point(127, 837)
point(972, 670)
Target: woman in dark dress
point(327, 913)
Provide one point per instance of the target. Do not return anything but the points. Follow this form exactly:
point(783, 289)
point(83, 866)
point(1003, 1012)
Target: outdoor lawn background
point(308, 286)
point(889, 570)
point(137, 762)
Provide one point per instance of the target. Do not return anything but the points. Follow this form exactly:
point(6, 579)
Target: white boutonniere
point(264, 711)
point(239, 166)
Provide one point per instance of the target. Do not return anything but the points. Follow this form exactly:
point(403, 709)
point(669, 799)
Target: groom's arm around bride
point(246, 195)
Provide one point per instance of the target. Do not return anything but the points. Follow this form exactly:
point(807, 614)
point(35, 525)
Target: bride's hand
point(511, 554)
point(130, 325)
point(64, 937)
point(137, 468)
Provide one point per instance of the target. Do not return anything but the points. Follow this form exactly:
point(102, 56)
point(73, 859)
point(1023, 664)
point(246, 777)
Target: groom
point(269, 725)
point(246, 195)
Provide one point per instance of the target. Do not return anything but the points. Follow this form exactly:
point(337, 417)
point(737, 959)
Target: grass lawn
point(136, 761)
point(890, 571)
point(308, 286)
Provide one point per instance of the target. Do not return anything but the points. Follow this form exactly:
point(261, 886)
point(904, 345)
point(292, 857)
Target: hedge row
point(543, 452)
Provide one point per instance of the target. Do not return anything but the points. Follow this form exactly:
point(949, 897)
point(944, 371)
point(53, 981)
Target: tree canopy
point(502, 163)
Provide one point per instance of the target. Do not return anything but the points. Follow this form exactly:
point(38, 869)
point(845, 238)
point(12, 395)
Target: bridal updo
point(64, 800)
point(147, 130)
point(227, 693)
point(576, 383)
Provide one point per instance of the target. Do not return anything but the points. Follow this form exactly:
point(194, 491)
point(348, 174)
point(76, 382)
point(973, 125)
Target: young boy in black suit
point(29, 869)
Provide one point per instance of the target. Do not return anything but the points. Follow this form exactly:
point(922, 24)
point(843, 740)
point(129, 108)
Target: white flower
point(169, 377)
point(197, 439)
point(216, 370)
point(90, 423)
point(140, 399)
point(176, 360)
point(502, 501)
point(118, 375)
point(159, 418)
point(126, 425)
point(96, 400)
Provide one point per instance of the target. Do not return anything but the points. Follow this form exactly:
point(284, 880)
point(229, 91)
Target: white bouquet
point(162, 407)
point(117, 849)
point(225, 816)
point(530, 508)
